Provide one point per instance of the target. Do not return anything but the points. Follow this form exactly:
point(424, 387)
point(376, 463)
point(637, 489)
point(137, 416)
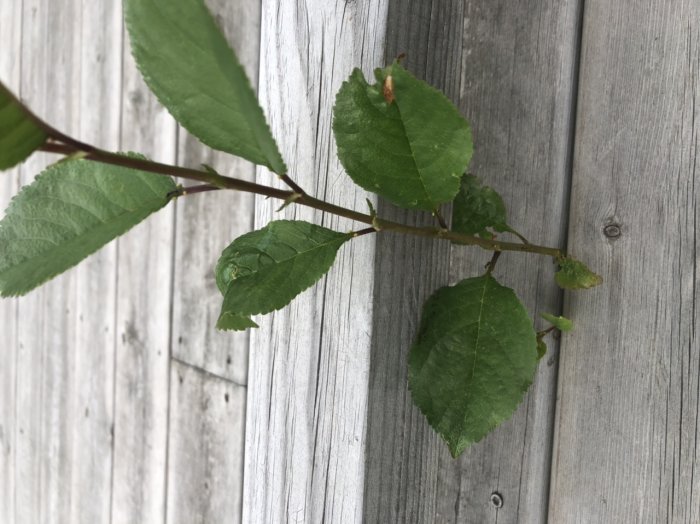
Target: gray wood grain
point(205, 464)
point(11, 29)
point(402, 451)
point(99, 424)
point(309, 367)
point(143, 322)
point(57, 371)
point(93, 349)
point(207, 392)
point(207, 223)
point(627, 418)
point(517, 87)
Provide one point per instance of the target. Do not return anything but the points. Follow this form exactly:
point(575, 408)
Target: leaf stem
point(545, 332)
point(71, 146)
point(492, 263)
point(292, 184)
point(522, 238)
point(362, 232)
point(441, 220)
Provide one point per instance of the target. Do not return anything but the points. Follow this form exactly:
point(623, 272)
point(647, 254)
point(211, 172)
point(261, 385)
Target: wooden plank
point(10, 68)
point(308, 373)
point(207, 414)
point(63, 447)
point(144, 291)
point(627, 418)
point(100, 61)
point(46, 317)
point(205, 451)
point(402, 451)
point(517, 87)
point(207, 223)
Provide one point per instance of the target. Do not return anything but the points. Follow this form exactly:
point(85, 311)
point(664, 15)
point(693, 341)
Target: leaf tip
point(233, 322)
point(541, 348)
point(457, 447)
point(574, 274)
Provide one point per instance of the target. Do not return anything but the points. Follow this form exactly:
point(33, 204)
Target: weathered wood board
point(11, 31)
point(91, 427)
point(120, 403)
point(627, 414)
point(517, 88)
point(402, 457)
point(305, 429)
point(144, 297)
point(62, 387)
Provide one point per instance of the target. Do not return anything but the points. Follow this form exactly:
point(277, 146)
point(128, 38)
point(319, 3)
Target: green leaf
point(561, 323)
point(264, 270)
point(190, 67)
point(541, 348)
point(477, 208)
point(574, 274)
point(71, 210)
point(401, 138)
point(229, 321)
point(20, 134)
point(473, 360)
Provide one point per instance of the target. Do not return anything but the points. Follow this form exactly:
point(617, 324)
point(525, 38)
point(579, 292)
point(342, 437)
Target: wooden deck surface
point(119, 402)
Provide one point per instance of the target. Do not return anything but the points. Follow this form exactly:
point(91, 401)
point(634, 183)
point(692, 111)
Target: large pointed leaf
point(190, 67)
point(264, 270)
point(401, 138)
point(478, 208)
point(20, 135)
point(473, 360)
point(68, 212)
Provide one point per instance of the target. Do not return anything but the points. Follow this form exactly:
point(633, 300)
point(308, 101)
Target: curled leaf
point(264, 270)
point(574, 274)
point(478, 208)
point(561, 323)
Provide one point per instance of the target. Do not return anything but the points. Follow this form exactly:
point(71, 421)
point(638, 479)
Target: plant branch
point(71, 146)
point(191, 190)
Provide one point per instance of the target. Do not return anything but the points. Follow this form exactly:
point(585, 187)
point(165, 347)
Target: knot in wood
point(612, 231)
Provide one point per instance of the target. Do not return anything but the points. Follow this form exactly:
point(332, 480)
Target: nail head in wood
point(496, 500)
